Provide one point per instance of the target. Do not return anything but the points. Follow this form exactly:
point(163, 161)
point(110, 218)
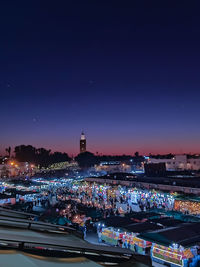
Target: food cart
point(173, 256)
point(140, 246)
point(119, 237)
point(110, 236)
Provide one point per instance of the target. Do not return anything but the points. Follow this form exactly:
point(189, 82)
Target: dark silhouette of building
point(82, 143)
point(155, 169)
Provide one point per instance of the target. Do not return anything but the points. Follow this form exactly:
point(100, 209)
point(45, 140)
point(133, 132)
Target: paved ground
point(38, 208)
point(92, 238)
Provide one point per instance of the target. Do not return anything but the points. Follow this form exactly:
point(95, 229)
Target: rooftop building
point(178, 162)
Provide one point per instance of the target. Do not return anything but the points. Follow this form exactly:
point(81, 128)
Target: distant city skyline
point(128, 75)
point(112, 149)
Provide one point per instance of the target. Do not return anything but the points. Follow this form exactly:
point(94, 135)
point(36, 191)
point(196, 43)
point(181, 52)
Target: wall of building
point(109, 168)
point(179, 162)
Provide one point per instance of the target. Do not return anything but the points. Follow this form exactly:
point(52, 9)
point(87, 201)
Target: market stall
point(119, 237)
point(139, 245)
point(175, 246)
point(187, 206)
point(110, 236)
point(172, 255)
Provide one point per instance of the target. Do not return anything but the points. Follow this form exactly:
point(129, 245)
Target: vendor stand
point(140, 246)
point(110, 236)
point(118, 237)
point(175, 256)
point(187, 205)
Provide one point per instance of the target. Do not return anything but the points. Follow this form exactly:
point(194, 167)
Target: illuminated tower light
point(82, 143)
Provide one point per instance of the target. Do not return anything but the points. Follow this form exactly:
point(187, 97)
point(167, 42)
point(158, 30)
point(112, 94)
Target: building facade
point(82, 143)
point(179, 163)
point(113, 166)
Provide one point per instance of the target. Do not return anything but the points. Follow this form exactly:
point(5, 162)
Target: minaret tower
point(82, 143)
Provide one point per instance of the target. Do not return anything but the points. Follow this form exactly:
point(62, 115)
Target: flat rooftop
point(186, 235)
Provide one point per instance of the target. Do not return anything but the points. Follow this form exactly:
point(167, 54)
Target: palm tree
point(9, 151)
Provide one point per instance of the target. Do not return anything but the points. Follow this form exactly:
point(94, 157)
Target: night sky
point(125, 72)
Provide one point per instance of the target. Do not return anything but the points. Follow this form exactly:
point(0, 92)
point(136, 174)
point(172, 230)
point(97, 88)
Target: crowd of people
point(28, 202)
point(147, 200)
point(81, 203)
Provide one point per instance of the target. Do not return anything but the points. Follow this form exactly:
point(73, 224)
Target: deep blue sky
point(126, 72)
